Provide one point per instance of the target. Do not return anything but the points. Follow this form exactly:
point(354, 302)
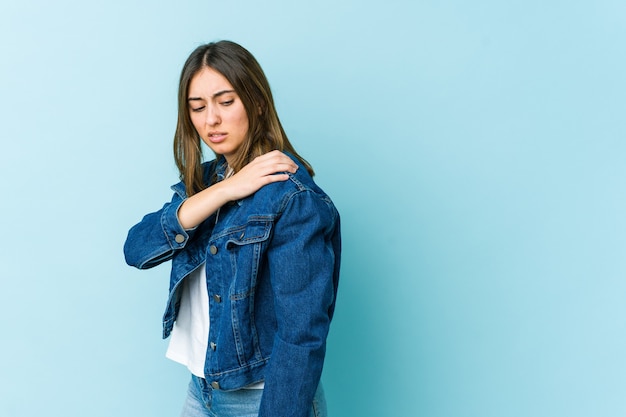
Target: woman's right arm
point(159, 235)
point(156, 237)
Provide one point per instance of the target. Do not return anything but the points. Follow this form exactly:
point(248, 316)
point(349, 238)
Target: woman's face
point(217, 112)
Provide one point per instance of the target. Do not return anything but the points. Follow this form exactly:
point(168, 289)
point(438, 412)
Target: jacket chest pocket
point(247, 245)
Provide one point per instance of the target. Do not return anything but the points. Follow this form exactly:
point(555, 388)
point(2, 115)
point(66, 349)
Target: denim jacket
point(272, 267)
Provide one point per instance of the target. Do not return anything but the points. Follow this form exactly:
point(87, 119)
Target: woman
point(254, 244)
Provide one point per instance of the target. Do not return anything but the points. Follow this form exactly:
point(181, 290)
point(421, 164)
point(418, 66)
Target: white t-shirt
point(189, 339)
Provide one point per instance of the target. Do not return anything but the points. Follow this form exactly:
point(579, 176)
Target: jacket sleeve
point(157, 237)
point(303, 260)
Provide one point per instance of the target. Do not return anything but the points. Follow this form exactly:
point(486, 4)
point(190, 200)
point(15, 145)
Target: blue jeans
point(204, 401)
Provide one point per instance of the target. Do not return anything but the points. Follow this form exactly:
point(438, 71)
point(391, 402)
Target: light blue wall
point(476, 151)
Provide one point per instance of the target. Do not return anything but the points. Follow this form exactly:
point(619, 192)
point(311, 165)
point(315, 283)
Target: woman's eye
point(227, 102)
point(197, 109)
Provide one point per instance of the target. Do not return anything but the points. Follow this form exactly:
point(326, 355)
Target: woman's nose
point(212, 116)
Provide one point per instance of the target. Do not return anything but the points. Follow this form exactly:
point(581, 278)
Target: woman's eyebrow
point(219, 93)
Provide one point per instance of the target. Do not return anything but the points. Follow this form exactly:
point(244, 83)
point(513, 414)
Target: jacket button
point(213, 346)
point(217, 298)
point(215, 385)
point(179, 238)
point(213, 249)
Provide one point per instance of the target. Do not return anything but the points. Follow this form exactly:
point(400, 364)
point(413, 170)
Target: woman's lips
point(216, 137)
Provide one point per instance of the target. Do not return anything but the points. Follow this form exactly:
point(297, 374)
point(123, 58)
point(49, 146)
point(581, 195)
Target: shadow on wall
point(368, 332)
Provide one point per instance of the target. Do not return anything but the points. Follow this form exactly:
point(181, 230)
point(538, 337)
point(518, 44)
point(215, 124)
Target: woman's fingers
point(273, 162)
point(261, 171)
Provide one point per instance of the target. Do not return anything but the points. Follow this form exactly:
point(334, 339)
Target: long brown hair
point(243, 72)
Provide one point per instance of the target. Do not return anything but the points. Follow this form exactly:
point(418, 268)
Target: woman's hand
point(258, 173)
point(261, 171)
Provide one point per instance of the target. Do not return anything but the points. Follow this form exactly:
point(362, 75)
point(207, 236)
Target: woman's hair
point(243, 72)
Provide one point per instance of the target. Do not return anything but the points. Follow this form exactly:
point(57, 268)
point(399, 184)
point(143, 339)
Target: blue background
point(476, 151)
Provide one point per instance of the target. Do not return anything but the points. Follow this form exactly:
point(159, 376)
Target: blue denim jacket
point(272, 267)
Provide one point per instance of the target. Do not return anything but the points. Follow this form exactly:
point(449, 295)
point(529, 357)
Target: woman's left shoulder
point(298, 187)
point(303, 187)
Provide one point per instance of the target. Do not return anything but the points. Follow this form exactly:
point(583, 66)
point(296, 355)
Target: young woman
point(255, 248)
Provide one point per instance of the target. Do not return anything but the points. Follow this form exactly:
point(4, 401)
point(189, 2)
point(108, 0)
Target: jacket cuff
point(177, 236)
